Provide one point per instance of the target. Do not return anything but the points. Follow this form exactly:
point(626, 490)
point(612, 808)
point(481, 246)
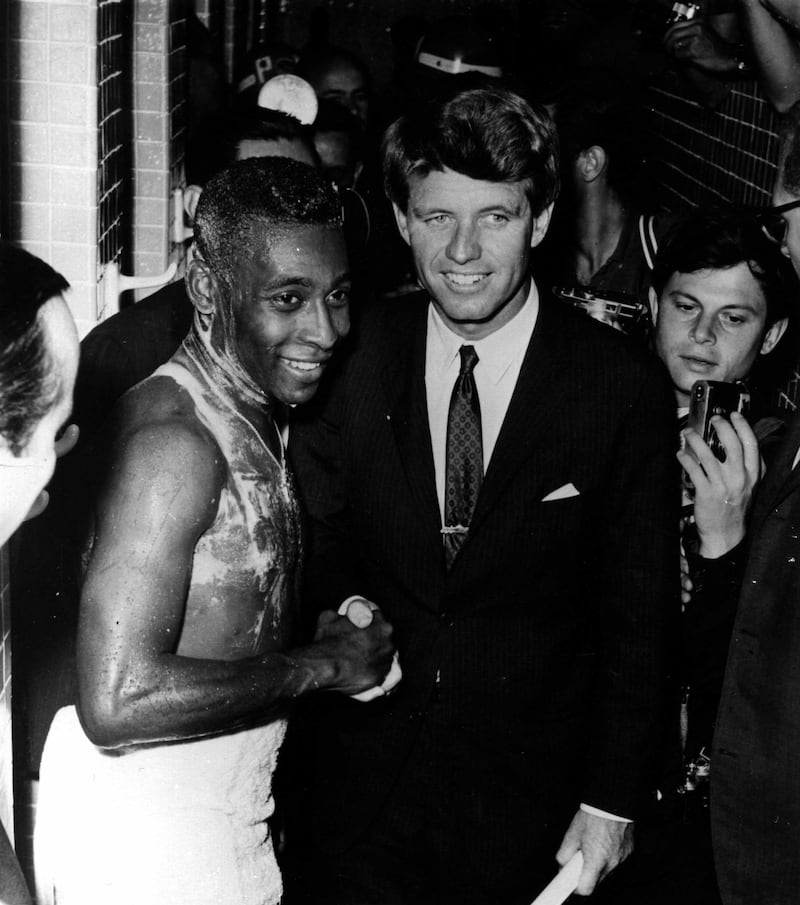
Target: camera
point(620, 310)
point(682, 12)
point(715, 397)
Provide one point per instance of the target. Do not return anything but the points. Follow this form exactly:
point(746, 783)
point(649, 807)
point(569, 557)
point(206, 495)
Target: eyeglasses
point(772, 223)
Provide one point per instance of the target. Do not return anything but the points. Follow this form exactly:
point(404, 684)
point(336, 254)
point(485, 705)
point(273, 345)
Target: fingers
point(741, 452)
point(749, 442)
point(571, 842)
point(67, 440)
point(325, 618)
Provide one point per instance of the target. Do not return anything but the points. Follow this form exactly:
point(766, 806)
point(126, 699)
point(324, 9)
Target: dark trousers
point(418, 850)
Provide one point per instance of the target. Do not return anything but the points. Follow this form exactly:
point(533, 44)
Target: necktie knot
point(469, 358)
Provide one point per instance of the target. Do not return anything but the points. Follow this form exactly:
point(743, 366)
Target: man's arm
point(162, 495)
point(636, 596)
point(776, 51)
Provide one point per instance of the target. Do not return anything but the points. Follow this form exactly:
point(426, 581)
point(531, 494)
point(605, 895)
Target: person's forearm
point(786, 11)
point(776, 52)
point(169, 697)
point(176, 697)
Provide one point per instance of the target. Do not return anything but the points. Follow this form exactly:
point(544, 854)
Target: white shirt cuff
point(588, 809)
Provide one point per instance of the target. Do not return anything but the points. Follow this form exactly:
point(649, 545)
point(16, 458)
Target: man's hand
point(605, 844)
point(686, 579)
point(697, 44)
point(722, 490)
point(362, 652)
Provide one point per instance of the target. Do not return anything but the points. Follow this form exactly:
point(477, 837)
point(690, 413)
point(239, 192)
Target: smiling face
point(471, 243)
point(711, 325)
point(291, 308)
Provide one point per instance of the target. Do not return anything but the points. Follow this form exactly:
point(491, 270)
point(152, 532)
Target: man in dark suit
point(755, 783)
point(492, 470)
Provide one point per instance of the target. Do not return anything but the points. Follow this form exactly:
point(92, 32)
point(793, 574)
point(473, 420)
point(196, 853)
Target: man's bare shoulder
point(156, 438)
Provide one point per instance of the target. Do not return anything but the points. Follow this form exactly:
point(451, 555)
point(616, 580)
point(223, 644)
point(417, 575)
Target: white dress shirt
point(500, 358)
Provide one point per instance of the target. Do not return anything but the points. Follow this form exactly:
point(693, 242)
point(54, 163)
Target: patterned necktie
point(464, 456)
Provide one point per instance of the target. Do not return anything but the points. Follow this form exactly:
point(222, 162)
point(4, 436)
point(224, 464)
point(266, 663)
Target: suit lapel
point(533, 407)
point(404, 386)
point(781, 479)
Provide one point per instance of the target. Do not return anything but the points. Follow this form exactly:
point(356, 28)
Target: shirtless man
point(188, 602)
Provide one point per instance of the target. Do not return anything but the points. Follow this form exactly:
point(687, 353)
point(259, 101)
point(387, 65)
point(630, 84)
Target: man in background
point(755, 785)
point(38, 363)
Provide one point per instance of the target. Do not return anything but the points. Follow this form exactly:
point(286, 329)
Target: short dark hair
point(486, 133)
point(316, 59)
point(790, 150)
point(718, 239)
point(29, 383)
point(267, 193)
point(599, 108)
point(216, 147)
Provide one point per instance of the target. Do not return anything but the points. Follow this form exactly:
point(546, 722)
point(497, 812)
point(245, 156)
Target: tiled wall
point(159, 117)
point(6, 779)
point(52, 99)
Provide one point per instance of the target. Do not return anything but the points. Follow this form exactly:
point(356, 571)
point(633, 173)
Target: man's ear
point(773, 335)
point(191, 195)
point(592, 162)
point(201, 287)
point(402, 223)
point(652, 295)
point(540, 225)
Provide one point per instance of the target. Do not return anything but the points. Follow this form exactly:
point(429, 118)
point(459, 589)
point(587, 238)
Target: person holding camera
point(721, 297)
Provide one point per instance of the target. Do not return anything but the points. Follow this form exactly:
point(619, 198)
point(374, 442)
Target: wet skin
point(291, 309)
point(186, 605)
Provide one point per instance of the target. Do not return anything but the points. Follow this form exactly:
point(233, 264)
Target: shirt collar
point(497, 351)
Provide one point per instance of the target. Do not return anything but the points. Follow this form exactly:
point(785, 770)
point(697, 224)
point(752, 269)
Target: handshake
point(359, 612)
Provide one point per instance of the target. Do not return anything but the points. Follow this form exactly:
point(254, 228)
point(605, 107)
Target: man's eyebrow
point(287, 282)
point(514, 209)
point(746, 306)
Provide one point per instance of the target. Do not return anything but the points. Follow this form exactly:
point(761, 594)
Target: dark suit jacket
point(755, 775)
point(127, 347)
point(538, 658)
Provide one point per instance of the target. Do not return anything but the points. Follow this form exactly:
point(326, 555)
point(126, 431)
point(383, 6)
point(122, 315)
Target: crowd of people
point(407, 574)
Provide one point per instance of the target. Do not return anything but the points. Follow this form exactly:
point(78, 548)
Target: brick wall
point(705, 156)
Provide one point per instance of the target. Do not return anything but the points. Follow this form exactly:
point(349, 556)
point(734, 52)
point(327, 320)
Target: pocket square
point(562, 493)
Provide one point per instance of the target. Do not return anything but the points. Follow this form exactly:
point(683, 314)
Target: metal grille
point(705, 156)
point(113, 167)
point(726, 155)
point(177, 69)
